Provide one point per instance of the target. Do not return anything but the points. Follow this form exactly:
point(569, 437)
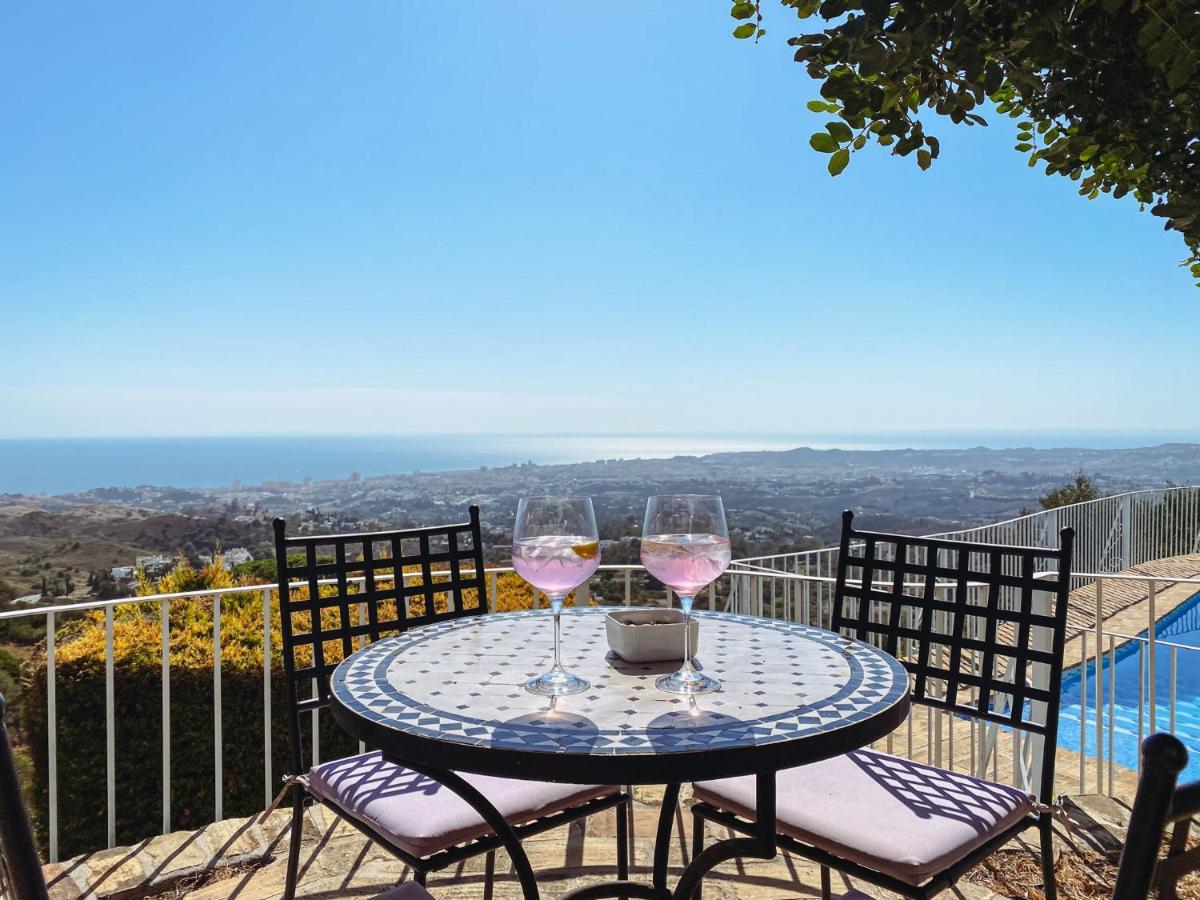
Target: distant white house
point(229, 558)
point(123, 573)
point(155, 566)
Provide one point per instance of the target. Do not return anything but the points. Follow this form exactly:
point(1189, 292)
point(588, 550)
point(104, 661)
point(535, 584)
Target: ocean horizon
point(35, 466)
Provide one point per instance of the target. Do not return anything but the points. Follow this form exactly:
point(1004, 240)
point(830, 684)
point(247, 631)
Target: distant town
point(72, 545)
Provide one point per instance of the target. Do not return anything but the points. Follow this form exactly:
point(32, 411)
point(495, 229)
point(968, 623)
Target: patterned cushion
point(891, 815)
point(423, 816)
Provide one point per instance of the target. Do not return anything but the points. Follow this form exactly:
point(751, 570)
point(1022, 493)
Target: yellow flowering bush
point(137, 666)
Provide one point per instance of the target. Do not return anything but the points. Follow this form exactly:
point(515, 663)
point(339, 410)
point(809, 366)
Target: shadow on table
point(533, 728)
point(665, 667)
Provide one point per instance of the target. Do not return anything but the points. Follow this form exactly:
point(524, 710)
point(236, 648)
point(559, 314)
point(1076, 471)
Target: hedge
point(80, 691)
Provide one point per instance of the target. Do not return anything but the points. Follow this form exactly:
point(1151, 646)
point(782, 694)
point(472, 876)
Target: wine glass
point(685, 545)
point(556, 549)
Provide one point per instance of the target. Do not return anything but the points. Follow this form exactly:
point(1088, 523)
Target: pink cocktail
point(685, 545)
point(686, 562)
point(556, 564)
point(556, 548)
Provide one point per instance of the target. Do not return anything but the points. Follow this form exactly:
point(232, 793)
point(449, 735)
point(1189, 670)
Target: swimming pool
point(1180, 626)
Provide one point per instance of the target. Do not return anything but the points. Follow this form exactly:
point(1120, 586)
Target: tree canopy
point(1105, 92)
point(1080, 490)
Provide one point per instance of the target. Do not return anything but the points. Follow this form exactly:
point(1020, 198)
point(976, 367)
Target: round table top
point(450, 695)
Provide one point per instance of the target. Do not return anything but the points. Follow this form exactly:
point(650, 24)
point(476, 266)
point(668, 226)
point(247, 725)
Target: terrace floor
point(245, 859)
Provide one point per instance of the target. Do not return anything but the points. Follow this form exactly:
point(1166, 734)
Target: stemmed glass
point(556, 548)
point(685, 545)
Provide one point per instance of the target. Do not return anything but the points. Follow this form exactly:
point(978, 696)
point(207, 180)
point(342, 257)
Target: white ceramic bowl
point(634, 638)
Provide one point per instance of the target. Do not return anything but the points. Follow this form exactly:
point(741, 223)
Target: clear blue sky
point(493, 216)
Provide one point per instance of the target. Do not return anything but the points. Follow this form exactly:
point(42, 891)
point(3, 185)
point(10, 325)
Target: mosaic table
point(450, 696)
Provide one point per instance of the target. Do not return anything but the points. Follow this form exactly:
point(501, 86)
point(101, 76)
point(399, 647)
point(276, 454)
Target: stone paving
point(246, 861)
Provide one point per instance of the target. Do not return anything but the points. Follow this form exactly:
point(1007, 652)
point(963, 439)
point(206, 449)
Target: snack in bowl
point(648, 635)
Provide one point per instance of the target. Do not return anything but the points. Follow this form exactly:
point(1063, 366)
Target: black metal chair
point(988, 652)
point(420, 821)
point(20, 869)
point(1158, 804)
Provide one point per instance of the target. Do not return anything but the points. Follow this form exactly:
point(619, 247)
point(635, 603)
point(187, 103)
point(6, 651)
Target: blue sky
point(491, 216)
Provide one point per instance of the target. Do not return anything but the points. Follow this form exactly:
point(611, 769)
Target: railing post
point(1126, 530)
point(52, 735)
point(218, 757)
point(493, 591)
point(1099, 685)
point(110, 730)
point(164, 613)
point(268, 784)
point(1151, 663)
point(628, 586)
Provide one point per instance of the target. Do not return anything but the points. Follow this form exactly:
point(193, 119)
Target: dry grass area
point(1082, 873)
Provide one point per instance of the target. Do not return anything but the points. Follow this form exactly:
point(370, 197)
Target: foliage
point(1105, 92)
point(7, 594)
point(1080, 490)
point(80, 693)
point(10, 675)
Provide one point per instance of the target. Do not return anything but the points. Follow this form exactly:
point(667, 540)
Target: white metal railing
point(1112, 533)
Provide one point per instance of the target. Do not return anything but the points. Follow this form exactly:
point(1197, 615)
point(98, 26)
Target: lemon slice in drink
point(590, 550)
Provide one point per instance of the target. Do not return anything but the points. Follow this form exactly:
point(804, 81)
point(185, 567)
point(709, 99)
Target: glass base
point(557, 683)
point(687, 681)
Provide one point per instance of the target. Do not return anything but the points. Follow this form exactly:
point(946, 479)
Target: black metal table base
point(761, 846)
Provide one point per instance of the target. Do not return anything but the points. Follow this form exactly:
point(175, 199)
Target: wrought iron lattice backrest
point(339, 592)
point(20, 870)
point(980, 627)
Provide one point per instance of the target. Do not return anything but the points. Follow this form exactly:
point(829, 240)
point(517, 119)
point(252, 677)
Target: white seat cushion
point(892, 815)
point(421, 815)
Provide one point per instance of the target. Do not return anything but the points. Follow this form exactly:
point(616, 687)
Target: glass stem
point(685, 603)
point(556, 604)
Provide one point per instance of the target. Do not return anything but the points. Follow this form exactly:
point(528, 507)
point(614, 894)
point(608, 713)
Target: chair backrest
point(338, 592)
point(20, 869)
point(980, 627)
point(1157, 804)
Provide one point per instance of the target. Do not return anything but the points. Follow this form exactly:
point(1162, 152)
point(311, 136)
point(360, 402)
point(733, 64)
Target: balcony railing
point(1112, 534)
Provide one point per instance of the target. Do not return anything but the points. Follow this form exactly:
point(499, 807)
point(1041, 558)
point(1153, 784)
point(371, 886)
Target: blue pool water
point(1181, 626)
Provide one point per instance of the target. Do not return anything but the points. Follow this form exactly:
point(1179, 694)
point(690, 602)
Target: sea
point(67, 465)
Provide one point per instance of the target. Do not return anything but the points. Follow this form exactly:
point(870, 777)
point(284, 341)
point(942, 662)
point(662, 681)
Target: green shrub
point(80, 692)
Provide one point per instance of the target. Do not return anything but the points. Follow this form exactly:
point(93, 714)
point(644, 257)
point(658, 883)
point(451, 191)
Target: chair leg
point(419, 876)
point(294, 841)
point(622, 811)
point(826, 887)
point(489, 874)
point(1049, 884)
point(697, 845)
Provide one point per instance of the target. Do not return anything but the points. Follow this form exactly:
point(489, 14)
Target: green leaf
point(860, 142)
point(1088, 153)
point(1024, 148)
point(1181, 70)
point(838, 161)
point(822, 142)
point(841, 132)
point(742, 10)
point(816, 105)
point(744, 31)
point(924, 160)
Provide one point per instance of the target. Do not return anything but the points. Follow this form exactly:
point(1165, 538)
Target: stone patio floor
point(245, 859)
